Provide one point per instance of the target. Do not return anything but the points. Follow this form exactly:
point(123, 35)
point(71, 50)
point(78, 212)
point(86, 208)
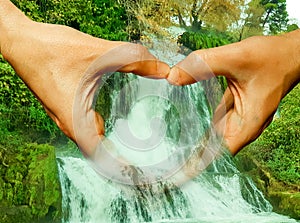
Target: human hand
point(54, 60)
point(260, 71)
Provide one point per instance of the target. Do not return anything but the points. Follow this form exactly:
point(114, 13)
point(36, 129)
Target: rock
point(287, 203)
point(16, 214)
point(29, 186)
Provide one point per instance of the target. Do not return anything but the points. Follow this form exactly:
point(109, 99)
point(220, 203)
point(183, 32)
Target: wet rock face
point(29, 185)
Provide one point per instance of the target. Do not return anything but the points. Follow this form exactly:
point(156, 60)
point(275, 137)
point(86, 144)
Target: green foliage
point(12, 90)
point(292, 27)
point(203, 40)
point(275, 18)
point(101, 18)
point(19, 109)
point(278, 147)
point(109, 21)
point(43, 169)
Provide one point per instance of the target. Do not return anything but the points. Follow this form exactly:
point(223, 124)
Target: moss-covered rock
point(285, 198)
point(287, 203)
point(29, 185)
point(273, 160)
point(16, 214)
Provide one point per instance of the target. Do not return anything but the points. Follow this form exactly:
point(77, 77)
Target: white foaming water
point(140, 138)
point(212, 197)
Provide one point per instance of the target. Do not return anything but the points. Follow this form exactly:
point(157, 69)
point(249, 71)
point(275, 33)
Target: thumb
point(202, 65)
point(144, 63)
point(128, 58)
point(154, 69)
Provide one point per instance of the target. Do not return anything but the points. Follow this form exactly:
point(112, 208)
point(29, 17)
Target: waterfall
point(212, 197)
point(156, 119)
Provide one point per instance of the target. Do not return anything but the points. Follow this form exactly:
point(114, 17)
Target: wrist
point(293, 76)
point(294, 37)
point(9, 13)
point(12, 21)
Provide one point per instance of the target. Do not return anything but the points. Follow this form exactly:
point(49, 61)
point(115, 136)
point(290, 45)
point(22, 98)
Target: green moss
point(43, 183)
point(30, 183)
point(2, 185)
point(278, 147)
point(286, 203)
point(21, 214)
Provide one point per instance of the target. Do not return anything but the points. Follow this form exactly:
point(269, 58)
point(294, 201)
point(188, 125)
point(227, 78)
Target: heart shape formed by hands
point(102, 152)
point(253, 92)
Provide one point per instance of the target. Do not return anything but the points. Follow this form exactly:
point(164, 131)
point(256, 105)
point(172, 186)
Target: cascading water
point(214, 196)
point(219, 194)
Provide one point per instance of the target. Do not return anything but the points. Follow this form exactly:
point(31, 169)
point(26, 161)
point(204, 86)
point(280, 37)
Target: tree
point(262, 17)
point(275, 18)
point(250, 22)
point(194, 14)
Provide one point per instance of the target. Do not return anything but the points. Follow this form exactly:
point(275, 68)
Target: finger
point(187, 71)
point(205, 64)
point(144, 63)
point(153, 69)
point(129, 58)
point(179, 77)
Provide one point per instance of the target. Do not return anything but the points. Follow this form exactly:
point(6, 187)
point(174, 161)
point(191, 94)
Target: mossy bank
point(273, 161)
point(29, 185)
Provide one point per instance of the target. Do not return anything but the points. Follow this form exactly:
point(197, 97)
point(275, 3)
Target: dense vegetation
point(204, 39)
point(278, 147)
point(20, 111)
point(29, 184)
point(101, 18)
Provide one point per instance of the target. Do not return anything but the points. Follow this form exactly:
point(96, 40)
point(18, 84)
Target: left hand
point(52, 60)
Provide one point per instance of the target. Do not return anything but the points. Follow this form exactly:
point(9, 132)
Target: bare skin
point(260, 71)
point(52, 60)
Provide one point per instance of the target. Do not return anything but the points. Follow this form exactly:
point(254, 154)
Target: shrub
point(19, 109)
